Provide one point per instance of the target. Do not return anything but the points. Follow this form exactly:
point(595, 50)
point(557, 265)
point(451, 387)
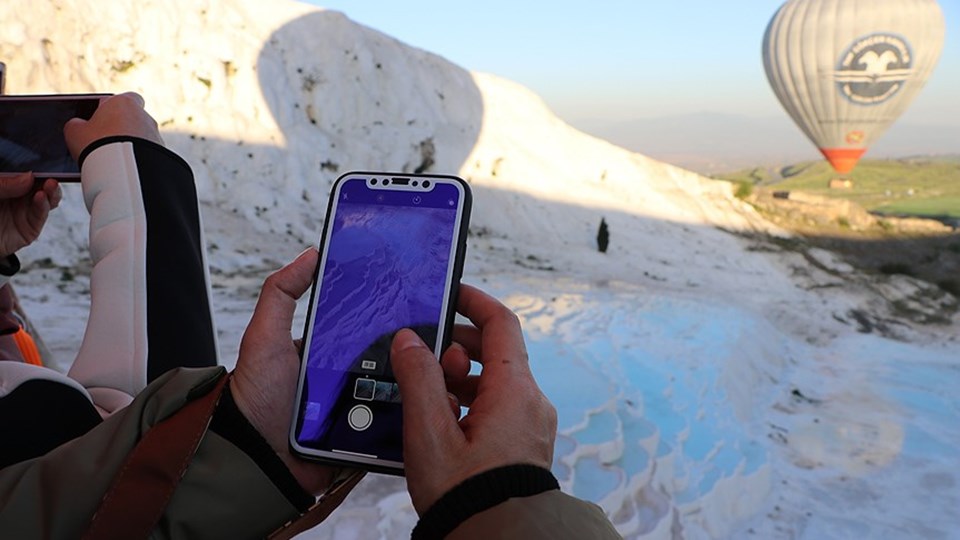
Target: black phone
point(31, 133)
point(391, 257)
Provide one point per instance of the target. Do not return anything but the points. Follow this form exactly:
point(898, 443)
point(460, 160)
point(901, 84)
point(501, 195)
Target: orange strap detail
point(28, 349)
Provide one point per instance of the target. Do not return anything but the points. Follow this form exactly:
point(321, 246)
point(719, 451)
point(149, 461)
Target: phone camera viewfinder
point(373, 181)
point(426, 183)
point(415, 183)
point(386, 182)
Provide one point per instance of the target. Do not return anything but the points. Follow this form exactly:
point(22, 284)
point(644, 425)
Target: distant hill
point(711, 143)
point(922, 186)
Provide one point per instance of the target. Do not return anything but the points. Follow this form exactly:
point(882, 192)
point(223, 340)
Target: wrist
point(481, 492)
point(230, 423)
point(309, 476)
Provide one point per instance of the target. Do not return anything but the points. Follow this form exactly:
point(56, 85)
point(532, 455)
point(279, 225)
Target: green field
point(924, 187)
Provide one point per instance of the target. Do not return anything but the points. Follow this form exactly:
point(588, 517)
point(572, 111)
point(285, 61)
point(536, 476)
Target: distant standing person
point(603, 236)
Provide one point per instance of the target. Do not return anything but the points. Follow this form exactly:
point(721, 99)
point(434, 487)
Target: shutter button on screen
point(360, 417)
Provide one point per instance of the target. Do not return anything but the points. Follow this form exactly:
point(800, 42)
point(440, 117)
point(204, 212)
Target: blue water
point(923, 384)
point(594, 480)
point(651, 374)
point(686, 389)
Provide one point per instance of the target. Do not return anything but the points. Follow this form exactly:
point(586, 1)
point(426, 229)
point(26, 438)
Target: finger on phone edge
point(455, 362)
point(16, 185)
point(464, 389)
point(502, 338)
point(470, 337)
point(280, 291)
point(422, 389)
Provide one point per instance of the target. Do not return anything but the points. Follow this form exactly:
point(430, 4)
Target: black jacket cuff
point(9, 265)
point(482, 492)
point(139, 141)
point(229, 423)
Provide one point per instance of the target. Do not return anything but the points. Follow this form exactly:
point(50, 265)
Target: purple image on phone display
point(386, 267)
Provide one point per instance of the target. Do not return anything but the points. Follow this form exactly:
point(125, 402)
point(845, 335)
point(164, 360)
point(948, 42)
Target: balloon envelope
point(846, 69)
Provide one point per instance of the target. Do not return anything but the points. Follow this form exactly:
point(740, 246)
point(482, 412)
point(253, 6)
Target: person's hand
point(121, 114)
point(509, 422)
point(24, 208)
point(264, 384)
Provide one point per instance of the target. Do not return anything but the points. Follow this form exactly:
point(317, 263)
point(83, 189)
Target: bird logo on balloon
point(874, 68)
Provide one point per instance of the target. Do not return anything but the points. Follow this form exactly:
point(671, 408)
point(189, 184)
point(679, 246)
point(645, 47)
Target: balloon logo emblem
point(874, 68)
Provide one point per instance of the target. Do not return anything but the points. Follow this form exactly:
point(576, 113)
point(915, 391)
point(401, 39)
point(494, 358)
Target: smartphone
point(391, 257)
point(31, 133)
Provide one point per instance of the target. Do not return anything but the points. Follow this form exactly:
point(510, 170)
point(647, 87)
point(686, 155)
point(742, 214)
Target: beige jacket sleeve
point(551, 514)
point(224, 494)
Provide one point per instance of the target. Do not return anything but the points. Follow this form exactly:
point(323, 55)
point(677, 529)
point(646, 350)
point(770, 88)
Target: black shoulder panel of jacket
point(175, 262)
point(40, 415)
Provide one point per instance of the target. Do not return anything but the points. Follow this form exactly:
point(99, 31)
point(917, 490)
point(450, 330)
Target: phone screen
point(31, 133)
point(389, 262)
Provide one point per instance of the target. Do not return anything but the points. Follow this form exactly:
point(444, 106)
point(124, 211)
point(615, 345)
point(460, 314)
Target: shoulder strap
point(142, 489)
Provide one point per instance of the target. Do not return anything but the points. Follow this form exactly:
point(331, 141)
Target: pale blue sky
point(611, 60)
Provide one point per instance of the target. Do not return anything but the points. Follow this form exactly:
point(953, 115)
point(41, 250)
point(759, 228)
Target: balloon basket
point(840, 183)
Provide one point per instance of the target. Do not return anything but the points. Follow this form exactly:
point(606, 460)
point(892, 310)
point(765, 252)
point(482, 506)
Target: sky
point(615, 60)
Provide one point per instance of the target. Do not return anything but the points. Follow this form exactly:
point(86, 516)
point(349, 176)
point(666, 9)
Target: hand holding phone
point(119, 115)
point(24, 207)
point(264, 382)
point(391, 257)
point(32, 133)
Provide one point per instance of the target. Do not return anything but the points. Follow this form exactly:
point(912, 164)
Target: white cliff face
point(673, 358)
point(268, 101)
point(271, 101)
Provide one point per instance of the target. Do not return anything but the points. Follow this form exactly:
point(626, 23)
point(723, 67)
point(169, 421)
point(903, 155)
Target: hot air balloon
point(844, 70)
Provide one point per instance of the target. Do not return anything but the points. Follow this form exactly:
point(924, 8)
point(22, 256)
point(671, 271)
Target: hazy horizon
point(710, 142)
